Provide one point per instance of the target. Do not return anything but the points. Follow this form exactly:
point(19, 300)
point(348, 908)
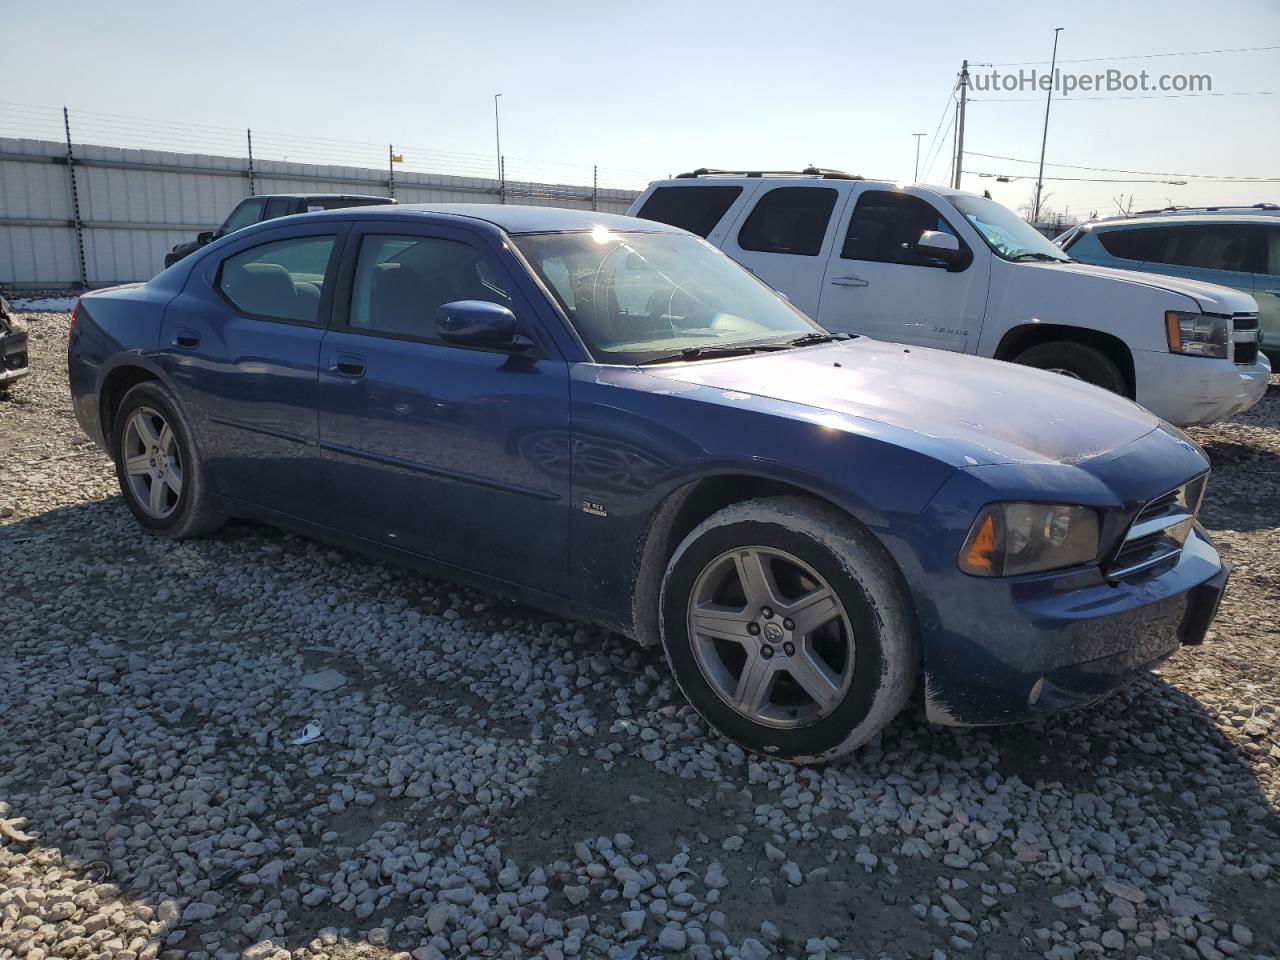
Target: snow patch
point(44, 304)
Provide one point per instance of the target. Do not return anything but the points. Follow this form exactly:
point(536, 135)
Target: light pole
point(915, 177)
point(497, 136)
point(1035, 213)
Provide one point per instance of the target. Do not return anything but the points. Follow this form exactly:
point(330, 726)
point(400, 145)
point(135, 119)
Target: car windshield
point(636, 297)
point(1006, 233)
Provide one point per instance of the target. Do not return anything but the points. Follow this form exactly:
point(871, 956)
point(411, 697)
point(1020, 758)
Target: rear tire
point(1078, 361)
point(788, 629)
point(159, 468)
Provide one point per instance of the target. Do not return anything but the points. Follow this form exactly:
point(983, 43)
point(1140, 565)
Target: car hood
point(970, 410)
point(1211, 297)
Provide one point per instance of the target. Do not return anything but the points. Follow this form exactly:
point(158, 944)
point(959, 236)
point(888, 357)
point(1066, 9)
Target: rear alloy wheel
point(159, 469)
point(787, 628)
point(1078, 361)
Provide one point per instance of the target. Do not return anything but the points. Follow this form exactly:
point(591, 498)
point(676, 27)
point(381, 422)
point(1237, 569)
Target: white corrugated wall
point(136, 204)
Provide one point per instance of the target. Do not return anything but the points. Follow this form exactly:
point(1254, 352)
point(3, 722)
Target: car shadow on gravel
point(1234, 501)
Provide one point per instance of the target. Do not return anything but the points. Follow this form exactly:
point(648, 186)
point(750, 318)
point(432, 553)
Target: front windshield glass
point(641, 296)
point(1006, 233)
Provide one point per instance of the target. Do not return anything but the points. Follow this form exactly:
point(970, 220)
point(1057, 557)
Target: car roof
point(514, 218)
point(321, 196)
point(806, 179)
point(1180, 220)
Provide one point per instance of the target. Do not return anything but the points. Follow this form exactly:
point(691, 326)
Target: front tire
point(159, 468)
point(1078, 361)
point(788, 629)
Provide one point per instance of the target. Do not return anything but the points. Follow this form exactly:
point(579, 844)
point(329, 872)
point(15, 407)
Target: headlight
point(1012, 538)
point(1198, 334)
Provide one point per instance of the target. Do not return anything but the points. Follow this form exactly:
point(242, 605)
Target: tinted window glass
point(276, 207)
point(789, 220)
point(1219, 246)
point(1272, 265)
point(248, 212)
point(278, 281)
point(696, 209)
point(340, 203)
point(886, 226)
point(1137, 244)
point(400, 282)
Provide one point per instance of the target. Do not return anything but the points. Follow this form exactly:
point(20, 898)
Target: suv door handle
point(187, 339)
point(347, 365)
point(850, 282)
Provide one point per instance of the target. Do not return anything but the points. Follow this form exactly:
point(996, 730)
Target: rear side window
point(789, 220)
point(402, 281)
point(276, 207)
point(696, 209)
point(339, 203)
point(1216, 246)
point(278, 281)
point(886, 226)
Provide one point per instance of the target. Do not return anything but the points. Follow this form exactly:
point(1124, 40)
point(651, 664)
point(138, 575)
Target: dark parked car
point(13, 346)
point(256, 209)
point(607, 417)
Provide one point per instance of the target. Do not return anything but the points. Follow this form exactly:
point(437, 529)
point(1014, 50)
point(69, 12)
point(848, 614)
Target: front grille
point(1245, 337)
point(1158, 532)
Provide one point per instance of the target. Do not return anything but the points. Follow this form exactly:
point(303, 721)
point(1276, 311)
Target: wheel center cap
point(772, 632)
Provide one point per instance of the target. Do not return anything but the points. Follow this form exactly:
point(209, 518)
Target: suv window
point(401, 281)
point(1215, 246)
point(276, 207)
point(249, 211)
point(280, 280)
point(789, 220)
point(1272, 263)
point(886, 226)
point(696, 209)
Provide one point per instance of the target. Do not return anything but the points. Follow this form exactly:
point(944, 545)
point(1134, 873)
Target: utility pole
point(915, 177)
point(253, 186)
point(1044, 138)
point(497, 139)
point(75, 201)
point(964, 92)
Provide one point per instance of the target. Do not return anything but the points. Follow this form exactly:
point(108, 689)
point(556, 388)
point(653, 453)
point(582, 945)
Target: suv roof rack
point(822, 172)
point(1219, 208)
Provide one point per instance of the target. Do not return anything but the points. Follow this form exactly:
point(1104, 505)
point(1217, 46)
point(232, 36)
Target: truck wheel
point(159, 469)
point(788, 628)
point(1078, 361)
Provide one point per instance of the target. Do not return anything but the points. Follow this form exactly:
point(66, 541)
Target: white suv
point(941, 268)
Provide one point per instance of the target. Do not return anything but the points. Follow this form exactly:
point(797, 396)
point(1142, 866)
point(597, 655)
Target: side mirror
point(940, 246)
point(205, 237)
point(478, 323)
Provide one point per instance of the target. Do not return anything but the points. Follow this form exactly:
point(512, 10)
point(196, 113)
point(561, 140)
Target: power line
point(1139, 56)
point(1023, 176)
point(1152, 96)
point(933, 142)
point(1148, 173)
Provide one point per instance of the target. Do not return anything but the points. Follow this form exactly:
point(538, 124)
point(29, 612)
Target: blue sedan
point(606, 417)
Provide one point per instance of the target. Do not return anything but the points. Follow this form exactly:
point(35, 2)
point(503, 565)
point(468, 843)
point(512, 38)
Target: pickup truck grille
point(1245, 338)
point(1159, 530)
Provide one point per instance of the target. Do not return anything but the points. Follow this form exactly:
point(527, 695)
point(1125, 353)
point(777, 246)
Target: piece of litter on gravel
point(310, 734)
point(324, 681)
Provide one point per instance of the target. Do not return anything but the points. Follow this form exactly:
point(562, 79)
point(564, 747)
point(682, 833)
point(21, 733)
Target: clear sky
point(648, 89)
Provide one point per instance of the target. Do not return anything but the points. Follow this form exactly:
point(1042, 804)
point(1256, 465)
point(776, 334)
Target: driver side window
point(886, 226)
point(401, 282)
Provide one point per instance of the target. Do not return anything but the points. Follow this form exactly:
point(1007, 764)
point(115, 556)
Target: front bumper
point(1189, 391)
point(1026, 647)
point(13, 354)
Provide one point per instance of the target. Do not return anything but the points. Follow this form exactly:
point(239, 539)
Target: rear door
point(702, 207)
point(242, 343)
point(1266, 287)
point(786, 238)
point(878, 285)
point(435, 448)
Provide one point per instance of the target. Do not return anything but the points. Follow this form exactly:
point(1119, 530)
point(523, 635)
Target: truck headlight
point(1198, 334)
point(1013, 538)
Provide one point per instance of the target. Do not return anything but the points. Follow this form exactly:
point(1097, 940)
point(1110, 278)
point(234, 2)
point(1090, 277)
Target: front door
point(427, 446)
point(878, 285)
point(243, 342)
point(1266, 290)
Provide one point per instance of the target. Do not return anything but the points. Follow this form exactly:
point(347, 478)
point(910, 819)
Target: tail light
point(75, 315)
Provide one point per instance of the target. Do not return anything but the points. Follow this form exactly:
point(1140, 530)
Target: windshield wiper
point(707, 353)
point(1036, 255)
point(809, 339)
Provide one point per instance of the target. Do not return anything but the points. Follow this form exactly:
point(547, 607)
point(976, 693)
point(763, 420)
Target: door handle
point(850, 282)
point(187, 339)
point(347, 365)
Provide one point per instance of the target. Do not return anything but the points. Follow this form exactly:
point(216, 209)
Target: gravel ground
point(490, 781)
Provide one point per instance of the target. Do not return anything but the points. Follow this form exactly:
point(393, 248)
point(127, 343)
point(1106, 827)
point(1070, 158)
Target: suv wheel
point(1078, 361)
point(160, 471)
point(787, 628)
